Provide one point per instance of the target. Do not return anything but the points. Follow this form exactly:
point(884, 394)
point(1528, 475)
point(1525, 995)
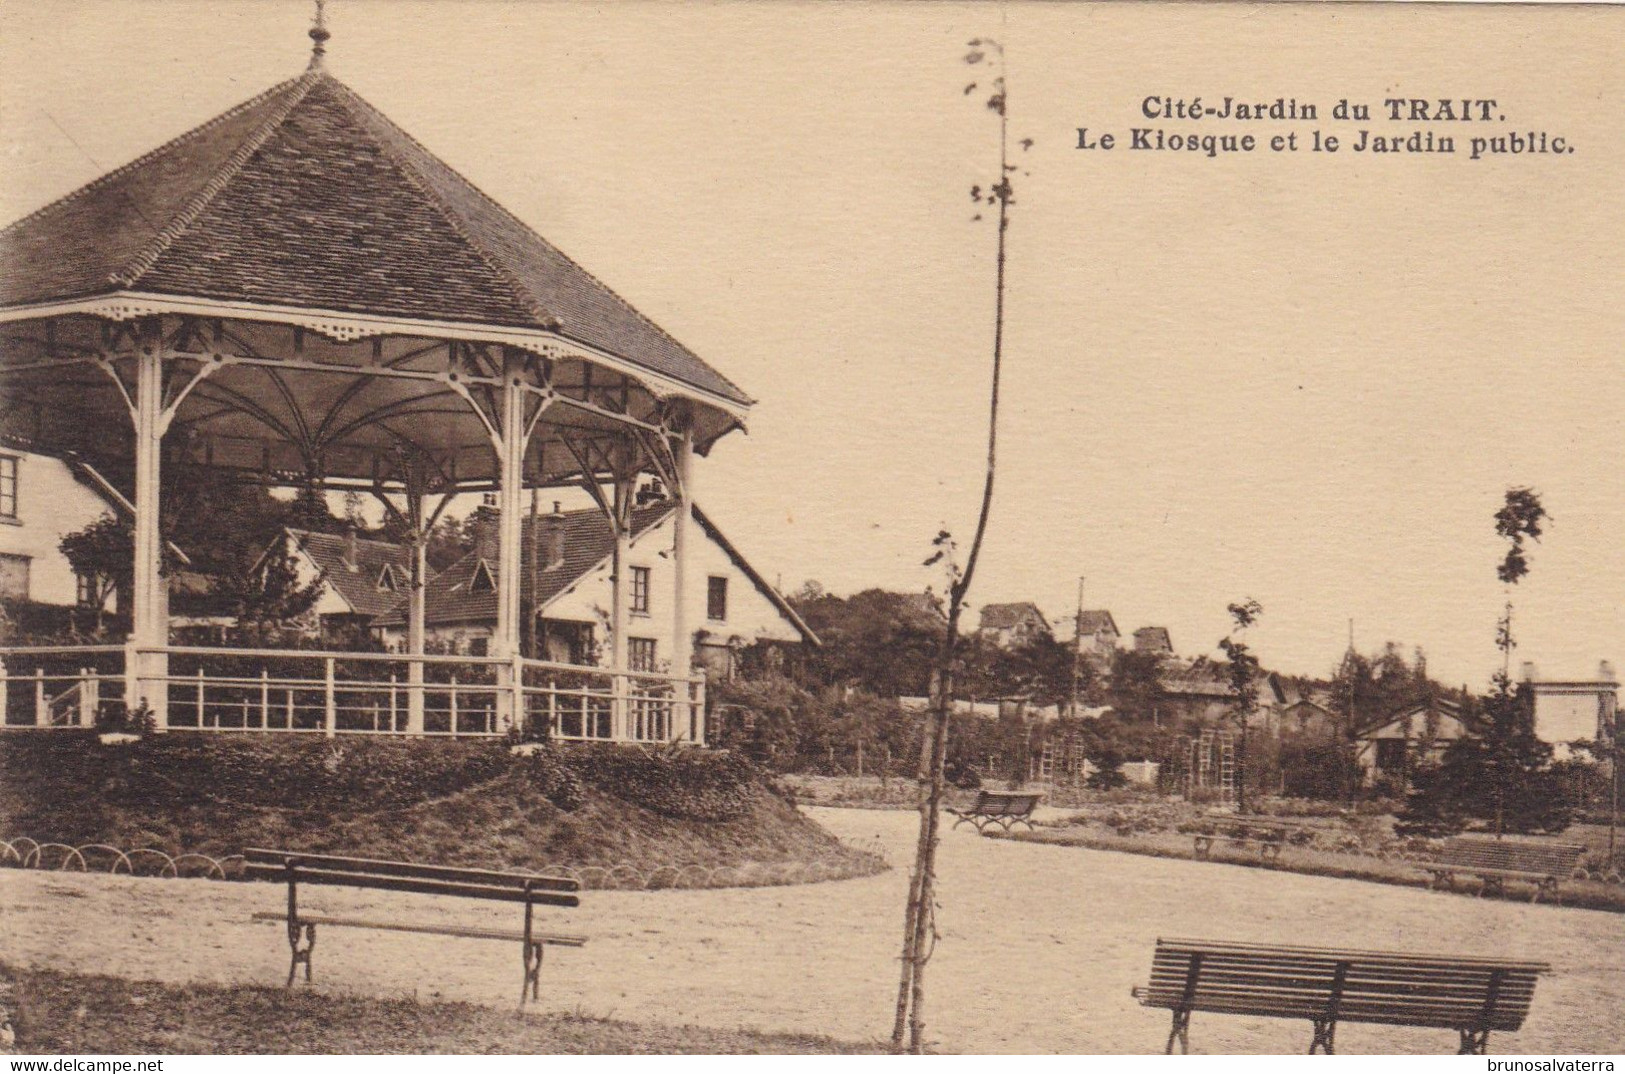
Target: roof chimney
point(1605, 671)
point(487, 541)
point(351, 549)
point(1527, 672)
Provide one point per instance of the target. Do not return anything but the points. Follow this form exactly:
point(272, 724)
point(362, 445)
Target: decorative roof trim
point(189, 213)
point(143, 159)
point(347, 326)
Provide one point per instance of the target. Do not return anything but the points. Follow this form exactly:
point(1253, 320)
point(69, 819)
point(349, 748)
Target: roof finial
point(319, 35)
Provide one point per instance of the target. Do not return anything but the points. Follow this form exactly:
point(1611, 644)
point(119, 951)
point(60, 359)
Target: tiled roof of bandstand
point(306, 196)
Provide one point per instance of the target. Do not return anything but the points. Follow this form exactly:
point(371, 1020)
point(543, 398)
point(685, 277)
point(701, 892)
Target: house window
point(640, 591)
point(640, 654)
point(716, 598)
point(482, 581)
point(88, 589)
point(386, 579)
point(14, 577)
point(8, 486)
point(1391, 754)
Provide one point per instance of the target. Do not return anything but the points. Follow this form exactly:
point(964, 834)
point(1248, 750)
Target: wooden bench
point(1267, 835)
point(1470, 995)
point(1495, 861)
point(1004, 808)
point(297, 868)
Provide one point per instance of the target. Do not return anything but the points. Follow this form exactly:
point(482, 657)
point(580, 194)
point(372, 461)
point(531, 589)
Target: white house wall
point(751, 615)
point(51, 503)
point(306, 571)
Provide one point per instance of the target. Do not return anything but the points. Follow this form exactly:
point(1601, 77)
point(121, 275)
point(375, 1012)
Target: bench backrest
point(1393, 988)
point(1007, 803)
point(1546, 859)
point(383, 875)
point(1237, 827)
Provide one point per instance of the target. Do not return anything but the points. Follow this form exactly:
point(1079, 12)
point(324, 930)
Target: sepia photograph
point(972, 528)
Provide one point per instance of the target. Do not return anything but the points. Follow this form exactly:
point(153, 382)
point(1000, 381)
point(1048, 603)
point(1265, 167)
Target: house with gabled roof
point(1391, 745)
point(565, 591)
point(1011, 625)
point(1153, 639)
point(360, 578)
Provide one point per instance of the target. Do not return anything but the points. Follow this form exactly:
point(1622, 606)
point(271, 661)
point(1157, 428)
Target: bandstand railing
point(293, 691)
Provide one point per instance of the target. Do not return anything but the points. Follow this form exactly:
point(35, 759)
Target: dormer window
point(386, 579)
point(482, 581)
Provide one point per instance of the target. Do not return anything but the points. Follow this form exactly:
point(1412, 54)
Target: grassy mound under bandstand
point(617, 817)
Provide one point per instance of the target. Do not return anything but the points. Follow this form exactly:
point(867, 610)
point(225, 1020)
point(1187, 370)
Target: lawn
point(96, 1015)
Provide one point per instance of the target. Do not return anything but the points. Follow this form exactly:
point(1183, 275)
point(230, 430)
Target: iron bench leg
point(299, 954)
point(1180, 1032)
point(1474, 1042)
point(1204, 846)
point(1325, 1030)
point(1492, 885)
point(533, 972)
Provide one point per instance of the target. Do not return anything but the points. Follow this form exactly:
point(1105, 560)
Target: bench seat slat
point(1219, 948)
point(381, 882)
point(1475, 998)
point(438, 930)
point(1355, 977)
point(260, 858)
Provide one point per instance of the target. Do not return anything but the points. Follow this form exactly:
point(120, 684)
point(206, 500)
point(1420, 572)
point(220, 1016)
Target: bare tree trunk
point(919, 929)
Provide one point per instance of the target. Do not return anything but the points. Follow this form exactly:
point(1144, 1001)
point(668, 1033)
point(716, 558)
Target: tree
point(1135, 690)
point(1242, 675)
point(919, 914)
point(1502, 772)
point(104, 553)
point(876, 640)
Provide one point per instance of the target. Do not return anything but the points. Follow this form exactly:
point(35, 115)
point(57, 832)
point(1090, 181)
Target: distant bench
point(1495, 861)
point(1268, 836)
point(1004, 808)
point(300, 868)
point(1470, 995)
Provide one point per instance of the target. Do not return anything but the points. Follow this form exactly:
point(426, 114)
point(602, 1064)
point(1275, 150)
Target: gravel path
point(1039, 948)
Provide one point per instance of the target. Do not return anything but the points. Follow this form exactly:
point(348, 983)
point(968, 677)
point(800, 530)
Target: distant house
point(360, 579)
point(566, 589)
point(1099, 634)
point(1199, 693)
point(1569, 710)
point(1153, 639)
point(1391, 746)
point(1306, 716)
point(1010, 626)
point(43, 498)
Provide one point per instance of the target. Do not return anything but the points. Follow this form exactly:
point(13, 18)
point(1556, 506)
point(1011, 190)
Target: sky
point(1303, 379)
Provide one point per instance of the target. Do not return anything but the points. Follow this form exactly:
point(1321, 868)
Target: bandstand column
point(621, 522)
point(682, 646)
point(415, 614)
point(510, 533)
point(146, 672)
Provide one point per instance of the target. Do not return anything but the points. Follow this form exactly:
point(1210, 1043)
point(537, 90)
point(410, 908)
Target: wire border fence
point(24, 852)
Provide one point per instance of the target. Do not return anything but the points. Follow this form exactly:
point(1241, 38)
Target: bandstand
point(299, 293)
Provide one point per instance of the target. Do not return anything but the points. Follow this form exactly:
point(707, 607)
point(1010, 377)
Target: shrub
point(304, 774)
point(694, 784)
